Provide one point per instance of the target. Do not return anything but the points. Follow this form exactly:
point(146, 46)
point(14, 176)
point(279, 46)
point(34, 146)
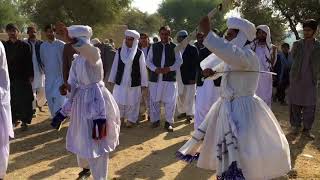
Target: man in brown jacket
point(304, 76)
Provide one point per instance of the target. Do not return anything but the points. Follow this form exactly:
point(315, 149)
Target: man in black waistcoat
point(187, 79)
point(163, 63)
point(129, 74)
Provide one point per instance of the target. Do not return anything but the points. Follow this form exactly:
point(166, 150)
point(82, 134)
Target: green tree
point(92, 13)
point(296, 11)
point(185, 14)
point(261, 13)
point(142, 22)
point(9, 13)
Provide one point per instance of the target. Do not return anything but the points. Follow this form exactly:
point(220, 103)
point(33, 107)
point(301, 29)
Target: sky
point(149, 6)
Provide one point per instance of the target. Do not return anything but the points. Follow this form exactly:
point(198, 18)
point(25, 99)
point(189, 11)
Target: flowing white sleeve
point(149, 59)
point(178, 62)
point(4, 76)
point(143, 71)
point(227, 52)
point(114, 68)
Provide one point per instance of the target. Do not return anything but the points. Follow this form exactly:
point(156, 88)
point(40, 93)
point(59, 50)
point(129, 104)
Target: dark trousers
point(281, 92)
point(302, 114)
point(21, 101)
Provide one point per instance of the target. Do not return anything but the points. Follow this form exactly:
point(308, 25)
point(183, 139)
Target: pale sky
point(149, 6)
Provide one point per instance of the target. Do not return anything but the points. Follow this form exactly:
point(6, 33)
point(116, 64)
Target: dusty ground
point(143, 153)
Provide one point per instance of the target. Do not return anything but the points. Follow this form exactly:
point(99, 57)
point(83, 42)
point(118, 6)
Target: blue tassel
point(188, 158)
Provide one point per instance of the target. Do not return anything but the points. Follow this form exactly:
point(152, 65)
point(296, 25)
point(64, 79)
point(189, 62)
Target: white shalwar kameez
point(86, 106)
point(206, 96)
point(241, 136)
point(128, 98)
point(6, 129)
point(38, 81)
point(51, 57)
point(163, 91)
point(186, 95)
point(264, 90)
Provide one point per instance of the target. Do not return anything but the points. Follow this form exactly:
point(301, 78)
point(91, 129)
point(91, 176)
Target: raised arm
point(227, 52)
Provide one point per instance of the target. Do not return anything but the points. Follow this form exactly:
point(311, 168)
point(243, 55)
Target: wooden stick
point(220, 8)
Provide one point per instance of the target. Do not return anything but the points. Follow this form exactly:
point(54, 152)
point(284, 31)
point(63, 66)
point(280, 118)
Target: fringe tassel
point(188, 158)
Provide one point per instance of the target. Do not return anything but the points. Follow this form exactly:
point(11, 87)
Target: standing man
point(285, 60)
point(187, 79)
point(51, 52)
point(38, 71)
point(207, 92)
point(267, 54)
point(21, 76)
point(144, 46)
point(129, 74)
point(304, 76)
point(6, 130)
point(163, 63)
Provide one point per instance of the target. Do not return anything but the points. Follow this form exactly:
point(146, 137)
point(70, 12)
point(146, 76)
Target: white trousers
point(130, 112)
point(185, 103)
point(207, 95)
point(145, 103)
point(98, 166)
point(4, 157)
point(39, 97)
point(155, 110)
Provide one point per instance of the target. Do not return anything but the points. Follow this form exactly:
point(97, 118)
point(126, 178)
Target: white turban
point(125, 56)
point(266, 29)
point(87, 50)
point(132, 33)
point(247, 30)
point(80, 31)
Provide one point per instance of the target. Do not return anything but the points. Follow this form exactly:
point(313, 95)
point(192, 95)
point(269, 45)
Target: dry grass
point(144, 153)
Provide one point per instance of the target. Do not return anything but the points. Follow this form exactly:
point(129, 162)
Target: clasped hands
point(164, 70)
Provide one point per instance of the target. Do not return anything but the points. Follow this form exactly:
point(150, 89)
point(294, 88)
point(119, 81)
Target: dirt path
point(144, 153)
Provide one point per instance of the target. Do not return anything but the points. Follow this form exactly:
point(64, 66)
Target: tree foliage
point(9, 13)
point(142, 22)
point(93, 12)
point(261, 13)
point(185, 14)
point(296, 11)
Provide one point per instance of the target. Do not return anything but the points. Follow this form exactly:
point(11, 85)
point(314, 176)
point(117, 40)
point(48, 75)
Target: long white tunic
point(38, 75)
point(264, 90)
point(240, 129)
point(206, 96)
point(86, 79)
point(163, 91)
point(6, 129)
point(51, 57)
point(124, 94)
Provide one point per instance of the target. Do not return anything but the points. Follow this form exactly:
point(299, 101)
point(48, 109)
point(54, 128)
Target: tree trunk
point(292, 25)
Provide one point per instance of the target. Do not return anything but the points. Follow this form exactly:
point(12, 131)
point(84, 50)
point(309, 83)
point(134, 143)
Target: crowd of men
point(142, 76)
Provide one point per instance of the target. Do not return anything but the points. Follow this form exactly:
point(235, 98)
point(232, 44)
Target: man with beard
point(20, 68)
